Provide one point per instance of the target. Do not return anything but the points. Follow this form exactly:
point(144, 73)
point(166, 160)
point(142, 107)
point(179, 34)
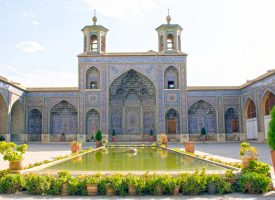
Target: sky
point(227, 41)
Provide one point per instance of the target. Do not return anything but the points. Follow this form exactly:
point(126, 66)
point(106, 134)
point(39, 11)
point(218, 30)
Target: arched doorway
point(231, 121)
point(17, 122)
point(132, 106)
point(268, 101)
point(63, 122)
point(3, 116)
point(202, 114)
point(251, 120)
point(172, 121)
point(34, 125)
point(92, 123)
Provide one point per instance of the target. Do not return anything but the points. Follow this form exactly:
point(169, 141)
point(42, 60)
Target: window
point(93, 85)
point(170, 42)
point(171, 85)
point(93, 43)
point(161, 43)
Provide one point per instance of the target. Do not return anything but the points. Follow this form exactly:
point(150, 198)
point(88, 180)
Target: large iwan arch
point(132, 103)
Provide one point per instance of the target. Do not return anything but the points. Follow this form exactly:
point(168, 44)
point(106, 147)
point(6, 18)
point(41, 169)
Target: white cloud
point(33, 17)
point(39, 78)
point(121, 9)
point(30, 46)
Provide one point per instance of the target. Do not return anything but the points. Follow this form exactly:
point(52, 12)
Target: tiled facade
point(64, 114)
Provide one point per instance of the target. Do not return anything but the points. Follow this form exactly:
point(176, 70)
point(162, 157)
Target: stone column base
point(221, 137)
point(243, 136)
point(81, 138)
point(45, 138)
point(7, 137)
point(184, 138)
point(261, 137)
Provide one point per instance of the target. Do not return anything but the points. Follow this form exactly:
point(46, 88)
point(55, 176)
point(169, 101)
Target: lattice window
point(269, 103)
point(93, 43)
point(35, 122)
point(170, 42)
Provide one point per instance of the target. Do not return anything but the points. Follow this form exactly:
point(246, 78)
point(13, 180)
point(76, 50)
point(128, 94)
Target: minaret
point(169, 36)
point(94, 37)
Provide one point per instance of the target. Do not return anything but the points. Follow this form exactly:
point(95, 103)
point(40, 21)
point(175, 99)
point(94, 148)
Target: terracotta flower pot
point(92, 189)
point(189, 147)
point(176, 190)
point(246, 161)
point(64, 189)
point(75, 147)
point(158, 190)
point(110, 191)
point(132, 190)
point(273, 158)
point(98, 144)
point(212, 188)
point(16, 166)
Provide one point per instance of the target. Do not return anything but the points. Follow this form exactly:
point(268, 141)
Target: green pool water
point(143, 159)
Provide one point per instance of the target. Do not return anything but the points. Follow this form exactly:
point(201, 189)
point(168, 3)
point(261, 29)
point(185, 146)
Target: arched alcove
point(171, 78)
point(92, 78)
point(202, 114)
point(17, 121)
point(92, 123)
point(172, 122)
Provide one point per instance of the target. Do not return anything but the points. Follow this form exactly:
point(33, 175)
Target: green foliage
point(4, 172)
point(203, 131)
point(194, 183)
point(98, 135)
point(39, 184)
point(11, 151)
point(2, 138)
point(222, 185)
point(258, 167)
point(248, 151)
point(11, 183)
point(252, 182)
point(136, 181)
point(271, 130)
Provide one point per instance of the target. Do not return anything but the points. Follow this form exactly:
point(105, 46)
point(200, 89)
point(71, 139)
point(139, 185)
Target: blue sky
point(228, 41)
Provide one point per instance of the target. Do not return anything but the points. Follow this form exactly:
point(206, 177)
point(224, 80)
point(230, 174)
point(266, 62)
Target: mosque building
point(133, 95)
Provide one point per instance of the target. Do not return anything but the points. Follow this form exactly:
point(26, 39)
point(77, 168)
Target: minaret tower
point(94, 38)
point(169, 37)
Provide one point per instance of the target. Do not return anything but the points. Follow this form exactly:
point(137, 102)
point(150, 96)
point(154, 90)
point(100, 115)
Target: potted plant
point(212, 182)
point(151, 138)
point(203, 134)
point(114, 136)
point(2, 138)
point(163, 140)
point(247, 153)
point(189, 147)
point(271, 136)
point(13, 154)
point(64, 177)
point(75, 146)
point(92, 184)
point(132, 182)
point(11, 183)
point(98, 138)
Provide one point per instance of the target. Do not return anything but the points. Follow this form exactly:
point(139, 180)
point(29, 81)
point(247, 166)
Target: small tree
point(271, 130)
point(98, 135)
point(203, 131)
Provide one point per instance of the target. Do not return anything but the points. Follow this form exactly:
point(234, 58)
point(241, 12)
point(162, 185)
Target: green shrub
point(11, 151)
point(271, 130)
point(2, 138)
point(98, 135)
point(138, 182)
point(252, 182)
point(194, 183)
point(11, 183)
point(203, 131)
point(4, 172)
point(258, 167)
point(39, 184)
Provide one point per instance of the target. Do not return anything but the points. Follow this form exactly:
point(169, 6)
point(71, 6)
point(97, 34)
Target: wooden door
point(235, 125)
point(172, 126)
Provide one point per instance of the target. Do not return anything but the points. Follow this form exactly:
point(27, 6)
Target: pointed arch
point(63, 119)
point(92, 78)
point(170, 42)
point(3, 115)
point(172, 121)
point(92, 122)
point(250, 118)
point(93, 43)
point(35, 122)
point(202, 114)
point(171, 78)
point(231, 121)
point(17, 121)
